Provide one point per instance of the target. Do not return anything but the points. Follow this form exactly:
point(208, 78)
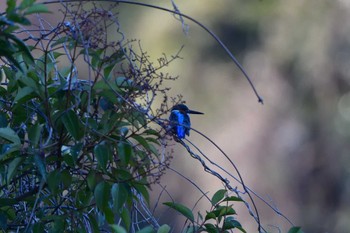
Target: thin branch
point(227, 183)
point(273, 207)
point(176, 12)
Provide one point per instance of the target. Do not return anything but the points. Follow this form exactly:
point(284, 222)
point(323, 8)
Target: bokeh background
point(294, 150)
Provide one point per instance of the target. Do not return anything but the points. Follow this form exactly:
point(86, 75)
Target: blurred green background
point(294, 150)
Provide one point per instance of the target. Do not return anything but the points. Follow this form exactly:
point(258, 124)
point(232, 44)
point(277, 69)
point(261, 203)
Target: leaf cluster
point(75, 152)
point(10, 20)
point(220, 217)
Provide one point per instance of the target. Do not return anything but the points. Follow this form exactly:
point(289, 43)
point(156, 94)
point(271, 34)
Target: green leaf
point(295, 230)
point(93, 179)
point(3, 221)
point(7, 202)
point(227, 210)
point(211, 228)
point(60, 41)
point(115, 57)
point(153, 140)
point(105, 104)
point(11, 6)
point(124, 131)
point(164, 229)
point(241, 229)
point(125, 216)
point(147, 229)
point(185, 211)
point(18, 19)
point(137, 119)
point(39, 162)
point(200, 217)
point(83, 198)
point(117, 229)
point(123, 82)
point(107, 70)
point(67, 158)
point(125, 152)
point(26, 3)
point(66, 178)
point(231, 223)
point(119, 196)
point(108, 121)
point(93, 223)
point(5, 22)
point(37, 8)
point(31, 80)
point(3, 120)
point(57, 54)
point(3, 91)
point(232, 198)
point(58, 225)
point(109, 97)
point(141, 188)
point(22, 93)
point(73, 125)
point(142, 141)
point(152, 132)
point(22, 47)
point(34, 134)
point(108, 213)
point(9, 135)
point(103, 154)
point(38, 227)
point(101, 85)
point(12, 169)
point(75, 151)
point(53, 181)
point(12, 60)
point(122, 174)
point(210, 215)
point(221, 211)
point(95, 57)
point(102, 195)
point(218, 196)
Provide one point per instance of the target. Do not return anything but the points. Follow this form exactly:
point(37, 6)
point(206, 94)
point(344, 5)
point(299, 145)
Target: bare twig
point(218, 40)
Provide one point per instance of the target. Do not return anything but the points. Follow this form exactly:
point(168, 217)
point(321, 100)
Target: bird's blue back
point(180, 123)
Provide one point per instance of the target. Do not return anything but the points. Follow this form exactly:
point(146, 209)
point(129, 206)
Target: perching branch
point(255, 213)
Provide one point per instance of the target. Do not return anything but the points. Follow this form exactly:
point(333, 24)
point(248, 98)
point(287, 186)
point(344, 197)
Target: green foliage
point(218, 219)
point(81, 150)
point(181, 209)
point(295, 230)
point(79, 154)
point(10, 45)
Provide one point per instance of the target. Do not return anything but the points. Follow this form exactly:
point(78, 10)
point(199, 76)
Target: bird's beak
point(194, 112)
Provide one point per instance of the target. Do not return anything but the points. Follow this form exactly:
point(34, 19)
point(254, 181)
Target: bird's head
point(184, 109)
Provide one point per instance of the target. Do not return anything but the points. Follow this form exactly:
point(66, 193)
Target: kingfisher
point(180, 120)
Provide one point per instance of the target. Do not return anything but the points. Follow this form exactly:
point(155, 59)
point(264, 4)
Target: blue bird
point(180, 120)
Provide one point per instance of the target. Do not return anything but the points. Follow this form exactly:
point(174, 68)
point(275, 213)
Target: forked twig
point(255, 213)
point(239, 181)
